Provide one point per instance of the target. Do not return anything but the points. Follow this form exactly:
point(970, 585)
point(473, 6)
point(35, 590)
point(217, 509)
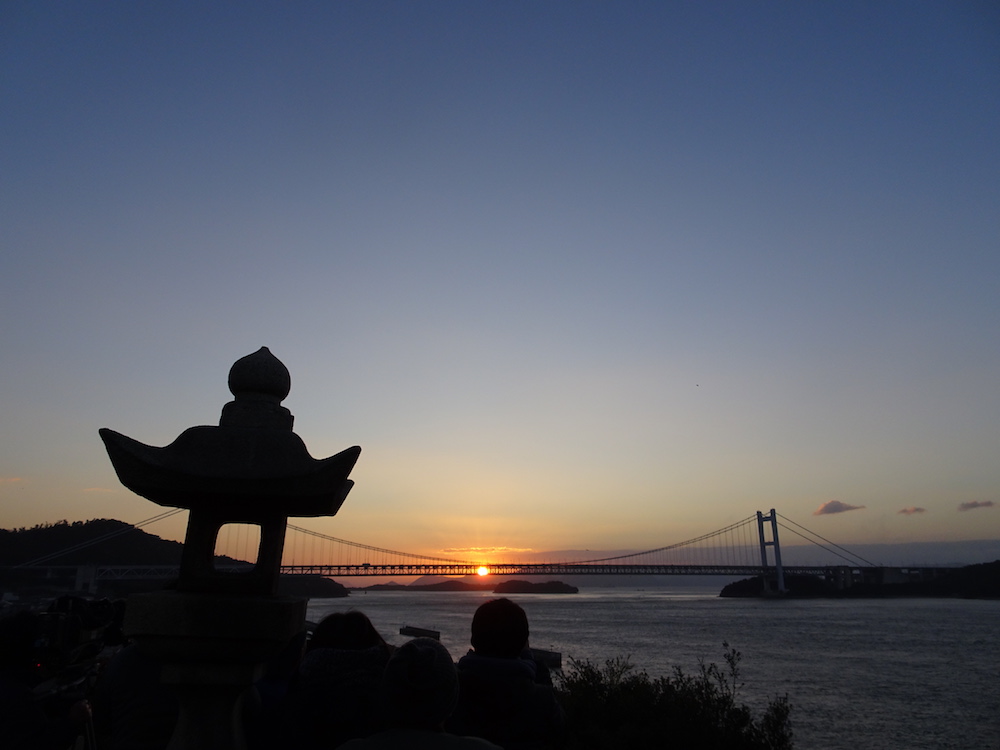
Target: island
point(526, 587)
point(980, 581)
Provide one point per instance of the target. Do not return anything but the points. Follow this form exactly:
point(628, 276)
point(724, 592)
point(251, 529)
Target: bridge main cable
point(701, 538)
point(855, 555)
point(382, 550)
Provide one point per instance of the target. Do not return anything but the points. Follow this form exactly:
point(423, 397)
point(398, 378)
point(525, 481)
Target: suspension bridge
point(747, 548)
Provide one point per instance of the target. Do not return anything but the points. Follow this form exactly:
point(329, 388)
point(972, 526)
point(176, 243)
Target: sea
point(894, 674)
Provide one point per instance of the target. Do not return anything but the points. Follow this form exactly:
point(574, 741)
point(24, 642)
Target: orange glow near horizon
point(483, 570)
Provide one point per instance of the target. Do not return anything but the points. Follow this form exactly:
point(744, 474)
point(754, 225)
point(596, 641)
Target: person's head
point(500, 629)
point(346, 630)
point(419, 685)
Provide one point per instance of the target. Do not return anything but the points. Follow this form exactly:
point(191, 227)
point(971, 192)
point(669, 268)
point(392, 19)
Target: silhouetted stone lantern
point(214, 631)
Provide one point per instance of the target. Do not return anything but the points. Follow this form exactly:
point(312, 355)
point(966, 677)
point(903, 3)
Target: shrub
point(617, 706)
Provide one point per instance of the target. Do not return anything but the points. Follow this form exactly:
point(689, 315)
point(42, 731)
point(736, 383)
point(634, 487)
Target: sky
point(575, 275)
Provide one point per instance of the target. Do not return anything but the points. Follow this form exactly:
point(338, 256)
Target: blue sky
point(574, 275)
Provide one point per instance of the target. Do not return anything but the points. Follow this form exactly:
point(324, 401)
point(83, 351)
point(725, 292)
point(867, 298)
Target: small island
point(526, 587)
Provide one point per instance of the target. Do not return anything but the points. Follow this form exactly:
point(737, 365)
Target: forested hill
point(122, 544)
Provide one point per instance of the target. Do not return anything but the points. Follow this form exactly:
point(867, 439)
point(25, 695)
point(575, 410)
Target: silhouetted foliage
point(124, 545)
point(617, 706)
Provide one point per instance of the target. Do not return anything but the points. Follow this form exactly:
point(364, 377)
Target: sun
point(482, 570)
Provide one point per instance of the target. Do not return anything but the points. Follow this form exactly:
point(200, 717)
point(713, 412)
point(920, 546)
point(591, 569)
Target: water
point(897, 674)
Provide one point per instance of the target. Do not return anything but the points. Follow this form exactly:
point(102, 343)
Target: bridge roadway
point(542, 569)
point(132, 572)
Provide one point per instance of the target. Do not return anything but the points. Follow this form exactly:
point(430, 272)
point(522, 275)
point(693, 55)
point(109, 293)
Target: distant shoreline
point(501, 587)
point(980, 581)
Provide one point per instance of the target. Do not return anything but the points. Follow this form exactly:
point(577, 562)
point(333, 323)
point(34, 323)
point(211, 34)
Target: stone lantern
point(213, 633)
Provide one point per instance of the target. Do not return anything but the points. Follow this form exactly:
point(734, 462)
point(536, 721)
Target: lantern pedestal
point(212, 649)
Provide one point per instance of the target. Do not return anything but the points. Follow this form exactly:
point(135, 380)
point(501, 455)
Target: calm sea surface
point(900, 674)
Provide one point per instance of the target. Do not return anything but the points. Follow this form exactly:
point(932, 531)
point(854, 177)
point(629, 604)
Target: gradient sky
point(573, 274)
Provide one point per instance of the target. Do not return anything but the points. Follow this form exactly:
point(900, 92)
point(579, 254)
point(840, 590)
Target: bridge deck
point(125, 572)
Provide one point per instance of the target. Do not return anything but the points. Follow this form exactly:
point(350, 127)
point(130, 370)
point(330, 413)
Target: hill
point(120, 544)
point(106, 541)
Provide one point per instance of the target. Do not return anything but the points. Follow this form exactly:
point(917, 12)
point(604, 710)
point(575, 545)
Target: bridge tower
point(764, 544)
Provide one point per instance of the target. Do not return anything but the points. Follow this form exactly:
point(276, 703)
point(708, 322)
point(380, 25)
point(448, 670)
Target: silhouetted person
point(346, 630)
point(419, 690)
point(506, 696)
point(335, 696)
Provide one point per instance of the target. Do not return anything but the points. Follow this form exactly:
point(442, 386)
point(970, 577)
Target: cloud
point(835, 506)
point(10, 480)
point(486, 550)
point(976, 504)
point(911, 510)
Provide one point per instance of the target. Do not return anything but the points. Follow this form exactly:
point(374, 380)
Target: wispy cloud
point(486, 550)
point(10, 480)
point(976, 504)
point(835, 506)
point(911, 510)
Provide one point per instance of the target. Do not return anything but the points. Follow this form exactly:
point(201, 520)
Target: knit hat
point(500, 628)
point(420, 684)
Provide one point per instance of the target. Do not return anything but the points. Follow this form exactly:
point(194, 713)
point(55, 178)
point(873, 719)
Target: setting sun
point(483, 570)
